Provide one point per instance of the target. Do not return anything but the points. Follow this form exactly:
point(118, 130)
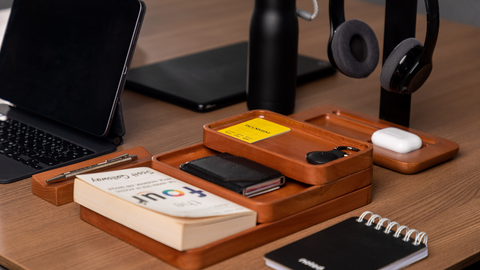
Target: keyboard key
point(35, 147)
point(36, 166)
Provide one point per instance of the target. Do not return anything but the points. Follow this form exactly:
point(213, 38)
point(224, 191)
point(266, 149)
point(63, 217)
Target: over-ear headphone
point(352, 47)
point(353, 50)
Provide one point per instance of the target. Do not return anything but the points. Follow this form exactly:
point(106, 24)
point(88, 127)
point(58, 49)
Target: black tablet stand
point(400, 22)
point(117, 128)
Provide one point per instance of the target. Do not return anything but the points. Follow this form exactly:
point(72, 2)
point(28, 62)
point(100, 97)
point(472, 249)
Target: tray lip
point(263, 209)
point(262, 113)
point(311, 171)
point(434, 152)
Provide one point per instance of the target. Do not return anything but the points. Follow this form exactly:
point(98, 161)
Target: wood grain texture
point(225, 248)
point(291, 198)
point(62, 192)
point(434, 149)
point(443, 201)
point(286, 152)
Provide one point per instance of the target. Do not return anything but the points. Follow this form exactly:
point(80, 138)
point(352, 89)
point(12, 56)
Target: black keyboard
point(34, 147)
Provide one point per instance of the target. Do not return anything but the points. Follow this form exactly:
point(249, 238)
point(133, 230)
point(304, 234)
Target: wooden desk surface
point(444, 201)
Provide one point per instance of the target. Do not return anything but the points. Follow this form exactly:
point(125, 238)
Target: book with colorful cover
point(161, 207)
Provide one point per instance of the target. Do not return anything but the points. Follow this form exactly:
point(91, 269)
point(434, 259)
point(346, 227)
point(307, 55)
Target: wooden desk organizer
point(62, 192)
point(233, 245)
point(435, 150)
point(294, 207)
point(291, 198)
point(286, 152)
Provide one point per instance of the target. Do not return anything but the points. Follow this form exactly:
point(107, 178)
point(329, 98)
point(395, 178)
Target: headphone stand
point(400, 23)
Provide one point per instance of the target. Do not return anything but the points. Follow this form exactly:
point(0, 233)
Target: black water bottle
point(272, 56)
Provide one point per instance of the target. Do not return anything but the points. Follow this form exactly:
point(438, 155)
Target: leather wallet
point(236, 173)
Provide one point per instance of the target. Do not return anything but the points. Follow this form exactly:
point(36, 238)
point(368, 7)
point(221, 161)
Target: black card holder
point(236, 173)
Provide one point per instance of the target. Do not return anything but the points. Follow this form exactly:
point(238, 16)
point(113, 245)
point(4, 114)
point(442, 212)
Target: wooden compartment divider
point(435, 150)
point(286, 152)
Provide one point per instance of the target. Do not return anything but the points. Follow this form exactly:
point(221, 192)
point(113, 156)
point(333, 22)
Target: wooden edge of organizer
point(435, 150)
point(62, 192)
point(233, 245)
point(275, 151)
point(293, 197)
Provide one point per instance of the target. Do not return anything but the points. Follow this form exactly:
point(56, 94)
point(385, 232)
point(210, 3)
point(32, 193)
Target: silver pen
point(124, 158)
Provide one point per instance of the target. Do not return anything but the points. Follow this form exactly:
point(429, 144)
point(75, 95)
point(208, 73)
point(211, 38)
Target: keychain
point(322, 157)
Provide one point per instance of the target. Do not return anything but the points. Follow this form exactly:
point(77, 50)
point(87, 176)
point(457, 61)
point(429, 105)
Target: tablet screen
point(66, 59)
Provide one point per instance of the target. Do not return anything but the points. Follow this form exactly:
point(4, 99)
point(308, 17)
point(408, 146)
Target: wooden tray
point(293, 197)
point(435, 150)
point(286, 152)
point(233, 245)
point(62, 192)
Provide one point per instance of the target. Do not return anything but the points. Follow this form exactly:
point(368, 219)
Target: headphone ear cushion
point(390, 65)
point(355, 49)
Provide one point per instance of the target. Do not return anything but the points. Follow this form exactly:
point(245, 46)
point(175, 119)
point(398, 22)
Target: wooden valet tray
point(435, 150)
point(291, 198)
point(286, 152)
point(62, 192)
point(233, 245)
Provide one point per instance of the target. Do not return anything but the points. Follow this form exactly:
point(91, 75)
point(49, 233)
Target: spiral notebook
point(356, 243)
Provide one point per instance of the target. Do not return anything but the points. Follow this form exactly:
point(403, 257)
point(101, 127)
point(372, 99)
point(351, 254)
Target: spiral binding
point(398, 231)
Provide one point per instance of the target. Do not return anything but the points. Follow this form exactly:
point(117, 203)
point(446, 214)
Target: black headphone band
point(433, 26)
point(336, 10)
point(337, 17)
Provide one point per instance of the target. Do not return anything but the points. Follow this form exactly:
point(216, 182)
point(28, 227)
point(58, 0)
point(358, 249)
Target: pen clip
point(123, 156)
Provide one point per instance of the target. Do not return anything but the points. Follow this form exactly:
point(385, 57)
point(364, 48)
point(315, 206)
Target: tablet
point(211, 79)
point(67, 60)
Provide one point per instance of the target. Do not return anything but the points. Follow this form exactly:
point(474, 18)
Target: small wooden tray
point(233, 245)
point(62, 192)
point(435, 150)
point(286, 152)
point(291, 198)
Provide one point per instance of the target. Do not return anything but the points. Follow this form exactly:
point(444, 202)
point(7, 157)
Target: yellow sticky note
point(254, 130)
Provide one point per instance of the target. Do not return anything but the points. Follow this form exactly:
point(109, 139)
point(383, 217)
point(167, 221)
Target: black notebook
point(355, 243)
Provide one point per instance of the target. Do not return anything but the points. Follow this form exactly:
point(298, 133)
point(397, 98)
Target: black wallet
point(236, 173)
